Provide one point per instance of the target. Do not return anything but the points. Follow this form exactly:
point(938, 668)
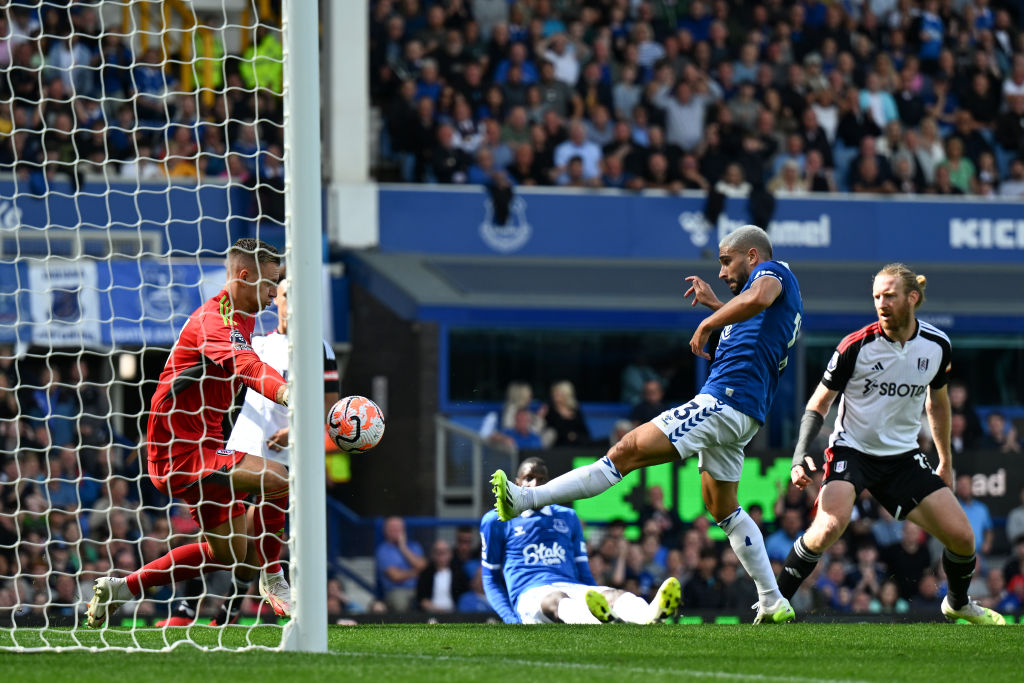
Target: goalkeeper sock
point(182, 563)
point(269, 526)
point(748, 544)
point(959, 572)
point(800, 562)
point(582, 482)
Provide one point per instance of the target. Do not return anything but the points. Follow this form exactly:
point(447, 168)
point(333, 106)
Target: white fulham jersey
point(261, 417)
point(883, 386)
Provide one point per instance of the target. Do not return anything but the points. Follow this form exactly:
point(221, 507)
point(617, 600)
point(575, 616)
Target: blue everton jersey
point(752, 354)
point(537, 548)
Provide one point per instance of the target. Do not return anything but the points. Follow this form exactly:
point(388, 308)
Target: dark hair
point(256, 250)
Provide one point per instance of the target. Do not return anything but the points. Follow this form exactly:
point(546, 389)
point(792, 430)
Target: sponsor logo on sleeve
point(238, 342)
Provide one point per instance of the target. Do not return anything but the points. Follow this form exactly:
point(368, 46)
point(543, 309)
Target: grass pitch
point(799, 653)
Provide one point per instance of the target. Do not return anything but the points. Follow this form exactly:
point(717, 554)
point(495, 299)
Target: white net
point(138, 141)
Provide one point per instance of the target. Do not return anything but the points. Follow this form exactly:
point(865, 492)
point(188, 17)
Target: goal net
point(138, 141)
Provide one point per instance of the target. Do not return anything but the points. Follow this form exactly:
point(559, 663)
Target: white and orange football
point(356, 424)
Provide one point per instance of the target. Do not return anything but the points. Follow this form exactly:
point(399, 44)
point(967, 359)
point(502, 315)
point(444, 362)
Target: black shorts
point(898, 482)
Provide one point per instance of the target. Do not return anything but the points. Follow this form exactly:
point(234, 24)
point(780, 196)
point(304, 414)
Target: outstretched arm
point(744, 306)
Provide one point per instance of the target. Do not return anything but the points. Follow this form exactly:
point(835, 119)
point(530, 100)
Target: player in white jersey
point(885, 374)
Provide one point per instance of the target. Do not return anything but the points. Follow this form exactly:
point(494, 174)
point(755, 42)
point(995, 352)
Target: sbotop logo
point(541, 553)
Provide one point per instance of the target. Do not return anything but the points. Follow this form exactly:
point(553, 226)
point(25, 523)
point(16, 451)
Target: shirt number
point(792, 340)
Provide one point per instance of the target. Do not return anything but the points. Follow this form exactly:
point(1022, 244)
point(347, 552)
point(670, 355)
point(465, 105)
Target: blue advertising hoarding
point(614, 224)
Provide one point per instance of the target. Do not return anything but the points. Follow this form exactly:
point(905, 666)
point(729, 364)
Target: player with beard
point(885, 374)
point(758, 326)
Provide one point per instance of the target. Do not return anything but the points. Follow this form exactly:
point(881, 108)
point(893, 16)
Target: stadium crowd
point(79, 98)
point(879, 96)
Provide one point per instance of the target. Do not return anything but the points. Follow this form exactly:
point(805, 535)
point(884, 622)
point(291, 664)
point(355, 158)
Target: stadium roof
point(510, 291)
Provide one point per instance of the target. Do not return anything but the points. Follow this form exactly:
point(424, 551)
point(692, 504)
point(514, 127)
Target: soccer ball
point(356, 424)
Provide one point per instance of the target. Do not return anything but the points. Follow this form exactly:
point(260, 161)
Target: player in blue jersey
point(758, 325)
point(536, 570)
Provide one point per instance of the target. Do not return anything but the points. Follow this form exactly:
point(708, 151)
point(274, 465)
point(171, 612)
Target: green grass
point(449, 653)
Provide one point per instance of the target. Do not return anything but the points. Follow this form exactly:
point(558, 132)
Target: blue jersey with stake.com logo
point(752, 354)
point(537, 548)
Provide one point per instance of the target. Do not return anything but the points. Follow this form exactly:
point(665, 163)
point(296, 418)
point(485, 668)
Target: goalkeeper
point(210, 363)
point(262, 429)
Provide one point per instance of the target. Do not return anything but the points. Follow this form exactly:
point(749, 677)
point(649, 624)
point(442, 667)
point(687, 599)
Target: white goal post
point(138, 141)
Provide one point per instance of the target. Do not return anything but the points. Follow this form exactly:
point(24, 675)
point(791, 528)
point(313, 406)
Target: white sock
point(748, 544)
point(582, 482)
point(632, 609)
point(575, 611)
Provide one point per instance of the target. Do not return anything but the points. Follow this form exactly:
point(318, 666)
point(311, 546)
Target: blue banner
point(89, 303)
point(613, 224)
point(121, 219)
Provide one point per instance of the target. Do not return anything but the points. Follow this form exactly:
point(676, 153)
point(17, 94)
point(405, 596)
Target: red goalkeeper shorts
point(201, 476)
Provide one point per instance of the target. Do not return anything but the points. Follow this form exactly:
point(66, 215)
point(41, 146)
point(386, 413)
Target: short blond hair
point(912, 282)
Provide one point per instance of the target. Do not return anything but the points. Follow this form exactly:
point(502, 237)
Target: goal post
point(308, 629)
point(138, 141)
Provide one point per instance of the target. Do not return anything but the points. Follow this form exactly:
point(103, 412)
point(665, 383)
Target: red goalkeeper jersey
point(210, 363)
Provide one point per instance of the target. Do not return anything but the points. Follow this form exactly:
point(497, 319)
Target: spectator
point(1001, 435)
point(442, 581)
point(703, 591)
point(399, 563)
point(866, 574)
point(448, 163)
point(908, 560)
point(928, 596)
point(817, 178)
point(467, 549)
point(791, 526)
point(661, 516)
point(684, 114)
point(733, 184)
point(521, 435)
point(960, 168)
point(788, 181)
point(262, 64)
point(578, 146)
point(1014, 567)
point(889, 600)
point(563, 418)
point(1009, 127)
point(652, 403)
point(1015, 520)
point(1013, 186)
point(474, 600)
point(878, 103)
point(977, 514)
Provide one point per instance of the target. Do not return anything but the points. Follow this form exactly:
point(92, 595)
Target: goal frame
point(307, 630)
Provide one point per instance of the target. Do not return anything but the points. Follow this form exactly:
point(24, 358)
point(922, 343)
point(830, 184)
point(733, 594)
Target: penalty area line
point(696, 673)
